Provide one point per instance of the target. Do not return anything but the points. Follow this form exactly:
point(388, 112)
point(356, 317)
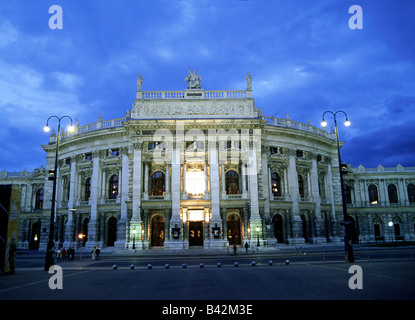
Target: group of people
point(63, 255)
point(95, 253)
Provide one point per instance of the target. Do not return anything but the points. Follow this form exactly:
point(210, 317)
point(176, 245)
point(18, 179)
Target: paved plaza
point(313, 279)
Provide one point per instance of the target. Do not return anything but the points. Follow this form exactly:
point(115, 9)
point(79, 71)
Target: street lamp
point(349, 256)
point(390, 224)
point(134, 232)
point(257, 233)
point(50, 246)
point(80, 237)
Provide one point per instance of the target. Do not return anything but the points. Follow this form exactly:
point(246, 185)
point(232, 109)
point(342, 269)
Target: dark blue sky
point(302, 55)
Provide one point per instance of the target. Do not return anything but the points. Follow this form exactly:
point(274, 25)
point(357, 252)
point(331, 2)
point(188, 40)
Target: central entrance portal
point(196, 233)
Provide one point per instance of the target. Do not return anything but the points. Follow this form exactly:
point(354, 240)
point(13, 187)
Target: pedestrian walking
point(246, 247)
point(59, 255)
point(63, 252)
point(94, 253)
point(97, 251)
point(234, 249)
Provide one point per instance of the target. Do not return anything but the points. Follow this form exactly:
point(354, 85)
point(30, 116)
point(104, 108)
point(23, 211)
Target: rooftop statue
point(193, 80)
point(139, 82)
point(248, 80)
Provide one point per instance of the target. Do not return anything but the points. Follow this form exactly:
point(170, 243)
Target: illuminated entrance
point(195, 233)
point(234, 229)
point(195, 218)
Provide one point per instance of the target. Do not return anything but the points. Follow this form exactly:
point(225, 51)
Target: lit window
point(157, 184)
point(113, 187)
point(232, 182)
point(275, 185)
point(373, 194)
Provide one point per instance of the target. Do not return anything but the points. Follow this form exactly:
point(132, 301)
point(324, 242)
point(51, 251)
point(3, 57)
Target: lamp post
point(257, 233)
point(50, 246)
point(349, 256)
point(80, 237)
point(390, 224)
point(134, 232)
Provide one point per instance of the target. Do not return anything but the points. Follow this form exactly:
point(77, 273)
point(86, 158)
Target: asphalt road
point(388, 275)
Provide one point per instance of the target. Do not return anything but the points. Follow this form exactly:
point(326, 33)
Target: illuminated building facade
point(205, 169)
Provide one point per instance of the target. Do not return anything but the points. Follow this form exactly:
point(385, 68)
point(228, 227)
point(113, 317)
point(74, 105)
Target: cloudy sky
point(303, 56)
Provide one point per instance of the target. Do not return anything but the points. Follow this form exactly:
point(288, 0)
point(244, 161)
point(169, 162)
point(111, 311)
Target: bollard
point(219, 265)
point(184, 266)
point(149, 266)
point(236, 264)
point(253, 263)
point(167, 266)
point(270, 263)
point(132, 266)
point(115, 267)
point(287, 262)
point(202, 265)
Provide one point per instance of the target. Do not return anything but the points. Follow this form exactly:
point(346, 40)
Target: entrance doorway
point(196, 233)
point(278, 228)
point(157, 230)
point(233, 223)
point(112, 231)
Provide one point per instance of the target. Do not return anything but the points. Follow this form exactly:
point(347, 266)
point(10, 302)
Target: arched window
point(275, 184)
point(39, 199)
point(301, 186)
point(411, 192)
point(232, 182)
point(373, 194)
point(113, 187)
point(347, 194)
point(87, 191)
point(157, 184)
point(392, 193)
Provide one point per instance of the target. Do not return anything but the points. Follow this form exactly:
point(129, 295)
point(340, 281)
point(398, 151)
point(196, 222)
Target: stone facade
point(198, 168)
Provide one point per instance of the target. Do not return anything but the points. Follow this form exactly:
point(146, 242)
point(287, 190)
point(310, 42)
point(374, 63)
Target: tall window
point(373, 194)
point(275, 184)
point(392, 193)
point(113, 187)
point(411, 192)
point(87, 192)
point(232, 182)
point(301, 190)
point(39, 199)
point(157, 184)
point(347, 194)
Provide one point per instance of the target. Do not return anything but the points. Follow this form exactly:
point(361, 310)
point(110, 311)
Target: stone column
point(317, 236)
point(95, 187)
point(215, 196)
point(296, 224)
point(135, 221)
point(167, 182)
point(70, 238)
point(253, 170)
point(123, 195)
point(175, 220)
point(333, 219)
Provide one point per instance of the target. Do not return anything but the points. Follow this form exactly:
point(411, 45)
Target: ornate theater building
point(205, 169)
